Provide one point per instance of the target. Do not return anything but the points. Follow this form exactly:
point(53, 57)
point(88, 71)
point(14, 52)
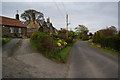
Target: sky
point(94, 15)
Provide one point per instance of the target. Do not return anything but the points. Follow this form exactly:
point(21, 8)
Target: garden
point(51, 46)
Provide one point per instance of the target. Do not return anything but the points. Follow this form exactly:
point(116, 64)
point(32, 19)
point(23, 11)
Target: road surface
point(21, 60)
point(89, 62)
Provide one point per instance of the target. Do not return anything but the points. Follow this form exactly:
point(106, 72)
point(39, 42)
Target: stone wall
point(6, 31)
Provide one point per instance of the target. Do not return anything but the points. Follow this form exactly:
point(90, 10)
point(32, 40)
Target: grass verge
point(5, 40)
point(112, 51)
point(60, 56)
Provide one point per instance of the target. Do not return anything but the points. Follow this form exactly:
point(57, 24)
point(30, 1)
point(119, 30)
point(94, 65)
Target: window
point(11, 29)
point(19, 30)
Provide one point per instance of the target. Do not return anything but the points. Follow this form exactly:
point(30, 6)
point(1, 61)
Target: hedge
point(112, 42)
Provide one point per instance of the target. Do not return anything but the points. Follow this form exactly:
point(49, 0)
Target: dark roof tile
point(10, 22)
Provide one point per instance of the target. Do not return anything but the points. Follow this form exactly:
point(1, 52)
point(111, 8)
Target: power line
point(64, 8)
point(58, 9)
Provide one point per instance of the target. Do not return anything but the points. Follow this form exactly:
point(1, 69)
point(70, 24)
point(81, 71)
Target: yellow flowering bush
point(59, 44)
point(90, 41)
point(65, 43)
point(59, 40)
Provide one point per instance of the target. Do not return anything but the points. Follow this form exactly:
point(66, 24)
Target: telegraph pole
point(67, 25)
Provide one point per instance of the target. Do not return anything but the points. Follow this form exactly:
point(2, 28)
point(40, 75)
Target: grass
point(112, 51)
point(60, 56)
point(5, 40)
point(64, 54)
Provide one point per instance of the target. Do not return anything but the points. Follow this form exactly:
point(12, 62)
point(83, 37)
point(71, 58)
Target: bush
point(43, 42)
point(107, 38)
point(69, 40)
point(5, 40)
point(90, 41)
point(111, 42)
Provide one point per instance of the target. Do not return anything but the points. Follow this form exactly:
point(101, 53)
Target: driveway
point(21, 60)
point(89, 62)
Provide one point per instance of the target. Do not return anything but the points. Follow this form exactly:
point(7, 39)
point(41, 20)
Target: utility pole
point(67, 25)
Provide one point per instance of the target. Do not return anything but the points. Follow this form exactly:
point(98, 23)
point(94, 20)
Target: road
point(89, 62)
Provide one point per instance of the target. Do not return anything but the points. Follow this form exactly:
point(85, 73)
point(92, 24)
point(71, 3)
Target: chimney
point(48, 20)
point(17, 15)
point(33, 15)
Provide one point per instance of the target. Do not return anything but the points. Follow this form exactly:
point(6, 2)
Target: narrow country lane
point(88, 62)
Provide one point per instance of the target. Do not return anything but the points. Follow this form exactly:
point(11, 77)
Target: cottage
point(40, 25)
point(12, 27)
point(47, 26)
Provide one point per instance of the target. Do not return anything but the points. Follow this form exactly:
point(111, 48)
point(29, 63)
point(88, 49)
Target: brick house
point(12, 27)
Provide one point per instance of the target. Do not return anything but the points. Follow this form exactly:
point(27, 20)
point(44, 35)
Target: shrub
point(107, 38)
point(108, 41)
point(90, 41)
point(5, 40)
point(53, 48)
point(111, 42)
point(69, 40)
point(43, 42)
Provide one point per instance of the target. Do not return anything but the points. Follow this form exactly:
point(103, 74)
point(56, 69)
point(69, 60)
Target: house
point(12, 27)
point(31, 27)
point(47, 26)
point(40, 25)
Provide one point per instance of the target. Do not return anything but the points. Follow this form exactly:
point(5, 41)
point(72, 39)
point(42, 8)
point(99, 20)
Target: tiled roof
point(10, 22)
point(33, 24)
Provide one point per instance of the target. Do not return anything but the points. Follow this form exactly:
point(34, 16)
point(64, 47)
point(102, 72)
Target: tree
point(110, 31)
point(71, 34)
point(100, 35)
point(82, 31)
point(31, 14)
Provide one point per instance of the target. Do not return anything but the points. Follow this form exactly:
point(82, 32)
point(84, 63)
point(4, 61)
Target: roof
point(10, 22)
point(33, 24)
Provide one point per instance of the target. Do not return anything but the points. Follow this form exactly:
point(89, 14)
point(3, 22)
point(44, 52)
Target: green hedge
point(111, 42)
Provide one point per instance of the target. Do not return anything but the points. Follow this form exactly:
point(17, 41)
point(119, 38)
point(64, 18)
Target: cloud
point(60, 0)
point(94, 15)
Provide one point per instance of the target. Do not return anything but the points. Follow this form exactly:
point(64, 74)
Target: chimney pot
point(17, 15)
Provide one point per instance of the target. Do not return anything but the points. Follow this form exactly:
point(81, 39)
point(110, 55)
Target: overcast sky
point(94, 15)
